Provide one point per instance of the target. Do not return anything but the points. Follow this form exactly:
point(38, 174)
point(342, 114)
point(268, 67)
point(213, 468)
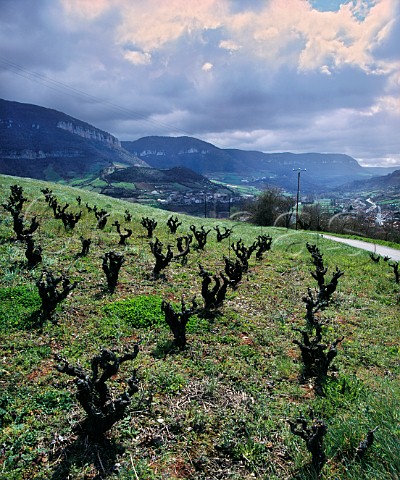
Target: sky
point(269, 75)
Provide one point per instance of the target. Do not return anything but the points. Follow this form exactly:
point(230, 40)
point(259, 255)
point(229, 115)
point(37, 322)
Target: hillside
point(390, 181)
point(220, 407)
point(42, 143)
point(164, 178)
point(176, 189)
point(258, 168)
point(384, 190)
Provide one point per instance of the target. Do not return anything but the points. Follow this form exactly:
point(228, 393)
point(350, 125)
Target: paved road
point(393, 253)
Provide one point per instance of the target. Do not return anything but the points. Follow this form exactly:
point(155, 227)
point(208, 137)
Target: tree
point(272, 208)
point(313, 217)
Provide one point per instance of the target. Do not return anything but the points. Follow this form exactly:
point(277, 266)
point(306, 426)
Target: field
point(219, 408)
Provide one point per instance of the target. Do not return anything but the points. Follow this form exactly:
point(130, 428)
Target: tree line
point(273, 207)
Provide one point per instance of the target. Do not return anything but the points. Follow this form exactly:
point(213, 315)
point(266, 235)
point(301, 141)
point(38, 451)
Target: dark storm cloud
point(259, 74)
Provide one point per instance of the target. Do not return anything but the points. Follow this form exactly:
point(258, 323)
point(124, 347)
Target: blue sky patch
point(334, 5)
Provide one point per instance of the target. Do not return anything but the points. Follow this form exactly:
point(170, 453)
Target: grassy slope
point(218, 409)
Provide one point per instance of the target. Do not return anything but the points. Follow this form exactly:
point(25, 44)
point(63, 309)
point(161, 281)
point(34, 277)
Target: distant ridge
point(324, 170)
point(43, 143)
point(385, 182)
point(46, 144)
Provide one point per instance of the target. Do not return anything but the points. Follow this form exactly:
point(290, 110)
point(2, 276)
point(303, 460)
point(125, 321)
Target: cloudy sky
point(270, 75)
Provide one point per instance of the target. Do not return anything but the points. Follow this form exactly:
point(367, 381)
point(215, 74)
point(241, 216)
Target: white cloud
point(153, 24)
point(229, 45)
point(138, 58)
point(387, 104)
point(85, 9)
point(207, 67)
point(282, 31)
point(325, 70)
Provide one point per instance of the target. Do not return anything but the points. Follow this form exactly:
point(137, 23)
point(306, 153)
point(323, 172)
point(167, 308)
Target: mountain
point(42, 143)
point(390, 182)
point(189, 152)
point(324, 170)
point(380, 171)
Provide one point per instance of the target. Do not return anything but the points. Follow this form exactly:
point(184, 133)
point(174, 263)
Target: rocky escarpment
point(92, 134)
point(46, 144)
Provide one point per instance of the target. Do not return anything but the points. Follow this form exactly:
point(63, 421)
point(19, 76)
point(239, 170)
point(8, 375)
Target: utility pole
point(298, 170)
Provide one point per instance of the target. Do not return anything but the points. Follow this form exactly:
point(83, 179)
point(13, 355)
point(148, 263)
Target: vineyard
point(136, 344)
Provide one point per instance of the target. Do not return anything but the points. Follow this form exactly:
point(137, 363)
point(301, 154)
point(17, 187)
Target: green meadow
point(219, 408)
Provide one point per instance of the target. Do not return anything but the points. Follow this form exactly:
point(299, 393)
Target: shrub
point(183, 250)
point(149, 224)
point(200, 235)
point(112, 262)
point(213, 294)
point(101, 216)
point(234, 271)
point(52, 291)
point(32, 253)
point(313, 436)
point(96, 398)
point(326, 290)
point(177, 321)
point(221, 235)
point(317, 356)
point(244, 253)
point(173, 223)
point(122, 236)
point(162, 259)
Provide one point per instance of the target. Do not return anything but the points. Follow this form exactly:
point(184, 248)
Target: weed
point(138, 312)
point(17, 305)
point(167, 380)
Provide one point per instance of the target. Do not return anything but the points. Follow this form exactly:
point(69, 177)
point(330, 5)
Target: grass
point(16, 305)
point(140, 311)
point(219, 408)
